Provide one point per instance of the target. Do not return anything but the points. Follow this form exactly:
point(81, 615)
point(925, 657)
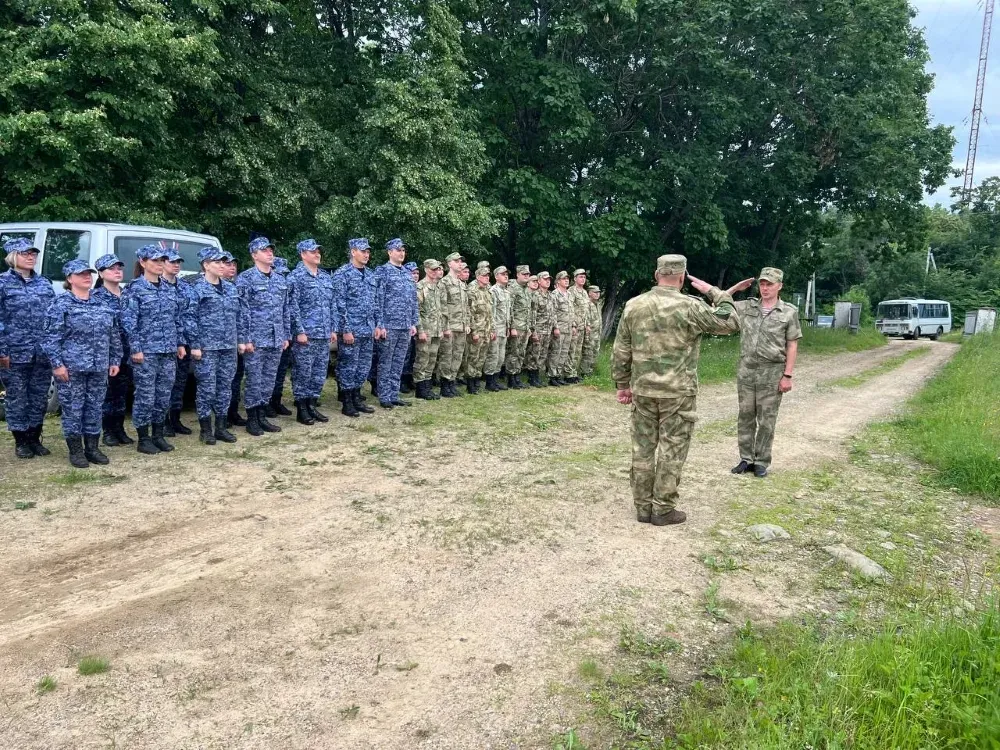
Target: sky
point(953, 29)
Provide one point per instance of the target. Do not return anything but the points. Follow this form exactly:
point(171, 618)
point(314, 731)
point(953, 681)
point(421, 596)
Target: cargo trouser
point(450, 355)
point(80, 400)
point(495, 355)
point(661, 436)
point(427, 354)
point(27, 386)
point(154, 381)
point(559, 355)
point(214, 372)
point(516, 348)
point(759, 397)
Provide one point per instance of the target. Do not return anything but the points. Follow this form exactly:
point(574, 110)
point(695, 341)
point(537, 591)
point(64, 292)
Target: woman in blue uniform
point(84, 348)
point(25, 297)
point(107, 290)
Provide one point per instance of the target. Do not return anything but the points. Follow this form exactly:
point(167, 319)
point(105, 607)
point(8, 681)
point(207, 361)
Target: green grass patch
point(89, 665)
point(888, 365)
point(954, 423)
point(46, 685)
point(921, 682)
point(955, 337)
point(75, 477)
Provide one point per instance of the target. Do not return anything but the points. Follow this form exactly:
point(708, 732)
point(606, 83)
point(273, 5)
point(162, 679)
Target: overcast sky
point(953, 29)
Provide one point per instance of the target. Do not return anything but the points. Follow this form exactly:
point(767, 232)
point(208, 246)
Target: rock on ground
point(767, 532)
point(858, 562)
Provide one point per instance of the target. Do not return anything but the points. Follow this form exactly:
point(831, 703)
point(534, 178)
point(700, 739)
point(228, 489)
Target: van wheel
point(940, 330)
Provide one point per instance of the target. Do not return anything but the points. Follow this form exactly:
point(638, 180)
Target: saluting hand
point(743, 285)
point(61, 374)
point(699, 285)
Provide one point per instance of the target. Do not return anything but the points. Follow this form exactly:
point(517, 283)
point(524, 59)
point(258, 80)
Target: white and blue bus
point(913, 318)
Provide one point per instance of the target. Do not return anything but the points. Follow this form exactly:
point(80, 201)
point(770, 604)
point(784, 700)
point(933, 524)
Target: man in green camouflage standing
point(562, 331)
point(455, 309)
point(592, 337)
point(656, 370)
point(541, 328)
point(481, 324)
point(501, 327)
point(769, 345)
point(520, 324)
point(580, 301)
point(428, 329)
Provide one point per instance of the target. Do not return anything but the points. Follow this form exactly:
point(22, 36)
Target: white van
point(913, 318)
point(60, 242)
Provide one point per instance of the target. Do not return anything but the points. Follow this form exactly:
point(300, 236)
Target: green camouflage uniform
point(656, 355)
point(429, 307)
point(501, 325)
point(455, 309)
point(543, 320)
point(562, 313)
point(470, 288)
point(592, 340)
point(764, 337)
point(580, 302)
point(481, 322)
point(520, 321)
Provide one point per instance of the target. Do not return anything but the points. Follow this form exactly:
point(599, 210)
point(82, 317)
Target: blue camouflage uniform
point(312, 313)
point(81, 335)
point(212, 324)
point(396, 312)
point(265, 307)
point(115, 402)
point(185, 295)
point(354, 300)
point(281, 266)
point(411, 349)
point(152, 322)
point(23, 304)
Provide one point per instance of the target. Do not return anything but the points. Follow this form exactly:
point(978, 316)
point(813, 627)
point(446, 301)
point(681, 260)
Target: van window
point(125, 248)
point(62, 246)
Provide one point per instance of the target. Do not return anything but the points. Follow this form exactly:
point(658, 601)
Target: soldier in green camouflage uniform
point(581, 302)
point(769, 344)
point(455, 304)
point(562, 331)
point(520, 325)
point(481, 324)
point(538, 340)
point(501, 327)
point(656, 370)
point(428, 329)
point(592, 338)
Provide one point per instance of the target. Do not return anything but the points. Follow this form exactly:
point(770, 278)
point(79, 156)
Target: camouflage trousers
point(591, 346)
point(559, 347)
point(575, 354)
point(450, 353)
point(182, 372)
point(759, 401)
point(537, 352)
point(310, 362)
point(661, 435)
point(27, 393)
point(80, 400)
point(475, 355)
point(115, 401)
point(426, 357)
point(214, 373)
point(516, 348)
point(495, 355)
point(154, 380)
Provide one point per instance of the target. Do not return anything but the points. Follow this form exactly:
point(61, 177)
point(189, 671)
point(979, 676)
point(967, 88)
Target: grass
point(75, 477)
point(888, 365)
point(954, 424)
point(955, 337)
point(89, 665)
point(46, 685)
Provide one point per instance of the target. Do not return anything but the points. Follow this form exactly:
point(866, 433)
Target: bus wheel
point(916, 334)
point(940, 330)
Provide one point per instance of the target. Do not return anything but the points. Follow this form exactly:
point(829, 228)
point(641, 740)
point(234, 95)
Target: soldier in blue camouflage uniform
point(274, 407)
point(354, 323)
point(25, 297)
point(235, 418)
point(312, 328)
point(212, 324)
point(265, 303)
point(406, 382)
point(108, 291)
point(84, 347)
point(396, 318)
point(185, 294)
point(152, 322)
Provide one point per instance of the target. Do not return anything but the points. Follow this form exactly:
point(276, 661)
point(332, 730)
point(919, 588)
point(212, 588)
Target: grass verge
point(853, 381)
point(954, 423)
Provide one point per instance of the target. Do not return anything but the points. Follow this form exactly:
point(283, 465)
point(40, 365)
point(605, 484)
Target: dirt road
point(410, 581)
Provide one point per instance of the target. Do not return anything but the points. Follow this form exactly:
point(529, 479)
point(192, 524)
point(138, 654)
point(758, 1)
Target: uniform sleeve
point(286, 312)
point(242, 320)
point(55, 329)
point(182, 305)
point(4, 345)
point(115, 343)
point(340, 304)
point(794, 330)
point(243, 289)
point(130, 320)
point(294, 306)
point(191, 322)
point(719, 319)
point(420, 297)
point(621, 369)
point(380, 294)
point(414, 308)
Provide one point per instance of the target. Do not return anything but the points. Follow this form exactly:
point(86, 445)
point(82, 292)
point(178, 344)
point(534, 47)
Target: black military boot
point(406, 384)
point(76, 457)
point(34, 438)
point(146, 444)
point(92, 452)
point(234, 417)
point(205, 433)
point(22, 449)
point(535, 380)
point(448, 388)
point(253, 424)
point(262, 420)
point(119, 429)
point(175, 421)
point(349, 410)
point(158, 434)
point(472, 386)
point(554, 381)
point(108, 429)
point(168, 428)
point(315, 413)
point(222, 430)
point(302, 413)
point(518, 383)
point(279, 408)
point(498, 381)
point(360, 405)
point(742, 467)
point(491, 383)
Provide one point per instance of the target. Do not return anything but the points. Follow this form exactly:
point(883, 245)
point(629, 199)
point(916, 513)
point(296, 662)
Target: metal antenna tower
point(977, 105)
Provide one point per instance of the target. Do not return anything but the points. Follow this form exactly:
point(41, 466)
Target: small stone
point(767, 532)
point(888, 545)
point(882, 533)
point(503, 669)
point(865, 566)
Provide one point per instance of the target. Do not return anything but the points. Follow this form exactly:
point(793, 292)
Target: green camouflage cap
point(523, 269)
point(453, 256)
point(671, 265)
point(544, 275)
point(500, 269)
point(483, 271)
point(594, 288)
point(562, 275)
point(430, 264)
point(532, 278)
point(579, 271)
point(774, 275)
point(463, 267)
point(483, 264)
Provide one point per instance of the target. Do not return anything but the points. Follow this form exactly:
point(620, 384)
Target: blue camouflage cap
point(359, 243)
point(173, 256)
point(259, 243)
point(307, 245)
point(208, 254)
point(411, 266)
point(395, 244)
point(279, 264)
point(107, 261)
point(76, 266)
point(228, 256)
point(19, 245)
point(151, 252)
